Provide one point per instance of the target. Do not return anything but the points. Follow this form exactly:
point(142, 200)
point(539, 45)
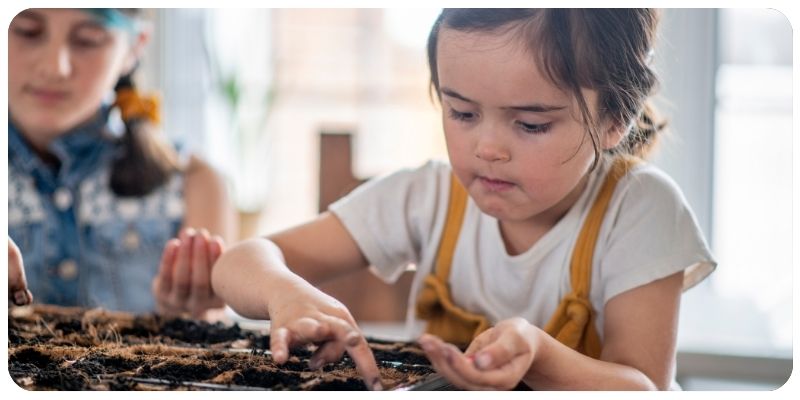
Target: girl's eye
point(534, 128)
point(84, 42)
point(26, 27)
point(461, 116)
point(27, 31)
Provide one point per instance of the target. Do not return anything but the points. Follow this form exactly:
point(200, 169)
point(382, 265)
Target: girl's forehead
point(502, 45)
point(497, 65)
point(64, 14)
point(107, 18)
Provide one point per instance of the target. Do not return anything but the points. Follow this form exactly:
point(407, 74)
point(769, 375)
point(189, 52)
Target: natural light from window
point(748, 305)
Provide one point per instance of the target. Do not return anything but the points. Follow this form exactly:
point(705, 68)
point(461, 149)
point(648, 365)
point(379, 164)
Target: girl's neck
point(40, 144)
point(519, 236)
point(40, 139)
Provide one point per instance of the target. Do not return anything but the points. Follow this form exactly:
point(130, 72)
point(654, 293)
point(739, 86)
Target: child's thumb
point(17, 285)
point(494, 355)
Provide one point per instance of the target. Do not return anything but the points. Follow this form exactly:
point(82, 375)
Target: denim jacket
point(81, 243)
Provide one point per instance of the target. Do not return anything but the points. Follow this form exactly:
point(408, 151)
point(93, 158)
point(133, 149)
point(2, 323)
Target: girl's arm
point(207, 203)
point(249, 273)
point(638, 351)
point(640, 332)
point(320, 250)
point(254, 279)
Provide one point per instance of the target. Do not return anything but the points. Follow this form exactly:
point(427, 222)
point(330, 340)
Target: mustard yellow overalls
point(573, 322)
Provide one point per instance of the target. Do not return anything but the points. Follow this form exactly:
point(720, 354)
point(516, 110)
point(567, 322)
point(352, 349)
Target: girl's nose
point(489, 148)
point(55, 63)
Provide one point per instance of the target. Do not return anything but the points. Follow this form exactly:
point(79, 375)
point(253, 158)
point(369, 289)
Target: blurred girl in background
point(102, 211)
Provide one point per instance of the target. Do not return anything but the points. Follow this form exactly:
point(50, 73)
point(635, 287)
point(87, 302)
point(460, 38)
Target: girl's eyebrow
point(537, 108)
point(90, 24)
point(452, 93)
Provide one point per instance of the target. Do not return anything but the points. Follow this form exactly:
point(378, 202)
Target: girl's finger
point(186, 233)
point(439, 358)
point(359, 351)
point(163, 283)
point(181, 274)
point(498, 353)
point(339, 329)
point(200, 271)
point(306, 330)
point(480, 341)
point(504, 377)
point(328, 352)
point(279, 345)
point(216, 247)
point(344, 332)
point(460, 368)
point(464, 368)
point(21, 297)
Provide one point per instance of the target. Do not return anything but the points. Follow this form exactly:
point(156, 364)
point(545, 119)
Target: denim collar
point(78, 151)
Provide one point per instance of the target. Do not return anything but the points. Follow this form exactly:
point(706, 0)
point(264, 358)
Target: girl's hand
point(17, 285)
point(497, 359)
point(183, 283)
point(303, 314)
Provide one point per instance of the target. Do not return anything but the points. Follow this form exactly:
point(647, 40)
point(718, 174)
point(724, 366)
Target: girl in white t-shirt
point(546, 248)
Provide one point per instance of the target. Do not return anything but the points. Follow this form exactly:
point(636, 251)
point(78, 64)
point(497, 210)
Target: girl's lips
point(495, 185)
point(48, 96)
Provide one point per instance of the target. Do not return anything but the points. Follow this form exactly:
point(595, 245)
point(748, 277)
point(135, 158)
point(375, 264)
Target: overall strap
point(457, 205)
point(434, 303)
point(573, 321)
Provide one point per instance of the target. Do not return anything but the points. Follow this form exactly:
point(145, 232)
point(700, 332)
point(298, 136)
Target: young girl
point(94, 195)
point(546, 248)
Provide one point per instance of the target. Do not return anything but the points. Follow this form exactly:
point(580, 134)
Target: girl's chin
point(46, 126)
point(493, 209)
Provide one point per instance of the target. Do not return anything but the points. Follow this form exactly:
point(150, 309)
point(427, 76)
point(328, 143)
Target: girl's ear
point(138, 44)
point(613, 133)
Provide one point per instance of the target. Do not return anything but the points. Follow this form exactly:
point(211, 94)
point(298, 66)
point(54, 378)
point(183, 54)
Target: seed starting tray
point(61, 348)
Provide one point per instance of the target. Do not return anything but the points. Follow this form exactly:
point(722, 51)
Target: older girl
point(94, 193)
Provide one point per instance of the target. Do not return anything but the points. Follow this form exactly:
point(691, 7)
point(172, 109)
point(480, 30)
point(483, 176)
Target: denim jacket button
point(131, 240)
point(68, 270)
point(62, 198)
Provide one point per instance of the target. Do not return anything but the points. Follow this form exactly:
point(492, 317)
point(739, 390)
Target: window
point(752, 229)
point(726, 90)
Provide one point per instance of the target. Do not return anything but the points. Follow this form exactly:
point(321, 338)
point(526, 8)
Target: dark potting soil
point(54, 348)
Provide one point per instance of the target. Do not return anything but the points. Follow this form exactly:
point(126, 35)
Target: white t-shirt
point(648, 233)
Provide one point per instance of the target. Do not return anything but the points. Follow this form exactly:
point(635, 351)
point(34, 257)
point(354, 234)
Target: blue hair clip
point(113, 18)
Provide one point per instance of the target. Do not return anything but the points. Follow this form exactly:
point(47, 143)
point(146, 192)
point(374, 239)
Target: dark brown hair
point(606, 50)
point(145, 161)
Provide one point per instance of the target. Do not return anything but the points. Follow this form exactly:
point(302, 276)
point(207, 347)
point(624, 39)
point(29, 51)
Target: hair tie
point(132, 106)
